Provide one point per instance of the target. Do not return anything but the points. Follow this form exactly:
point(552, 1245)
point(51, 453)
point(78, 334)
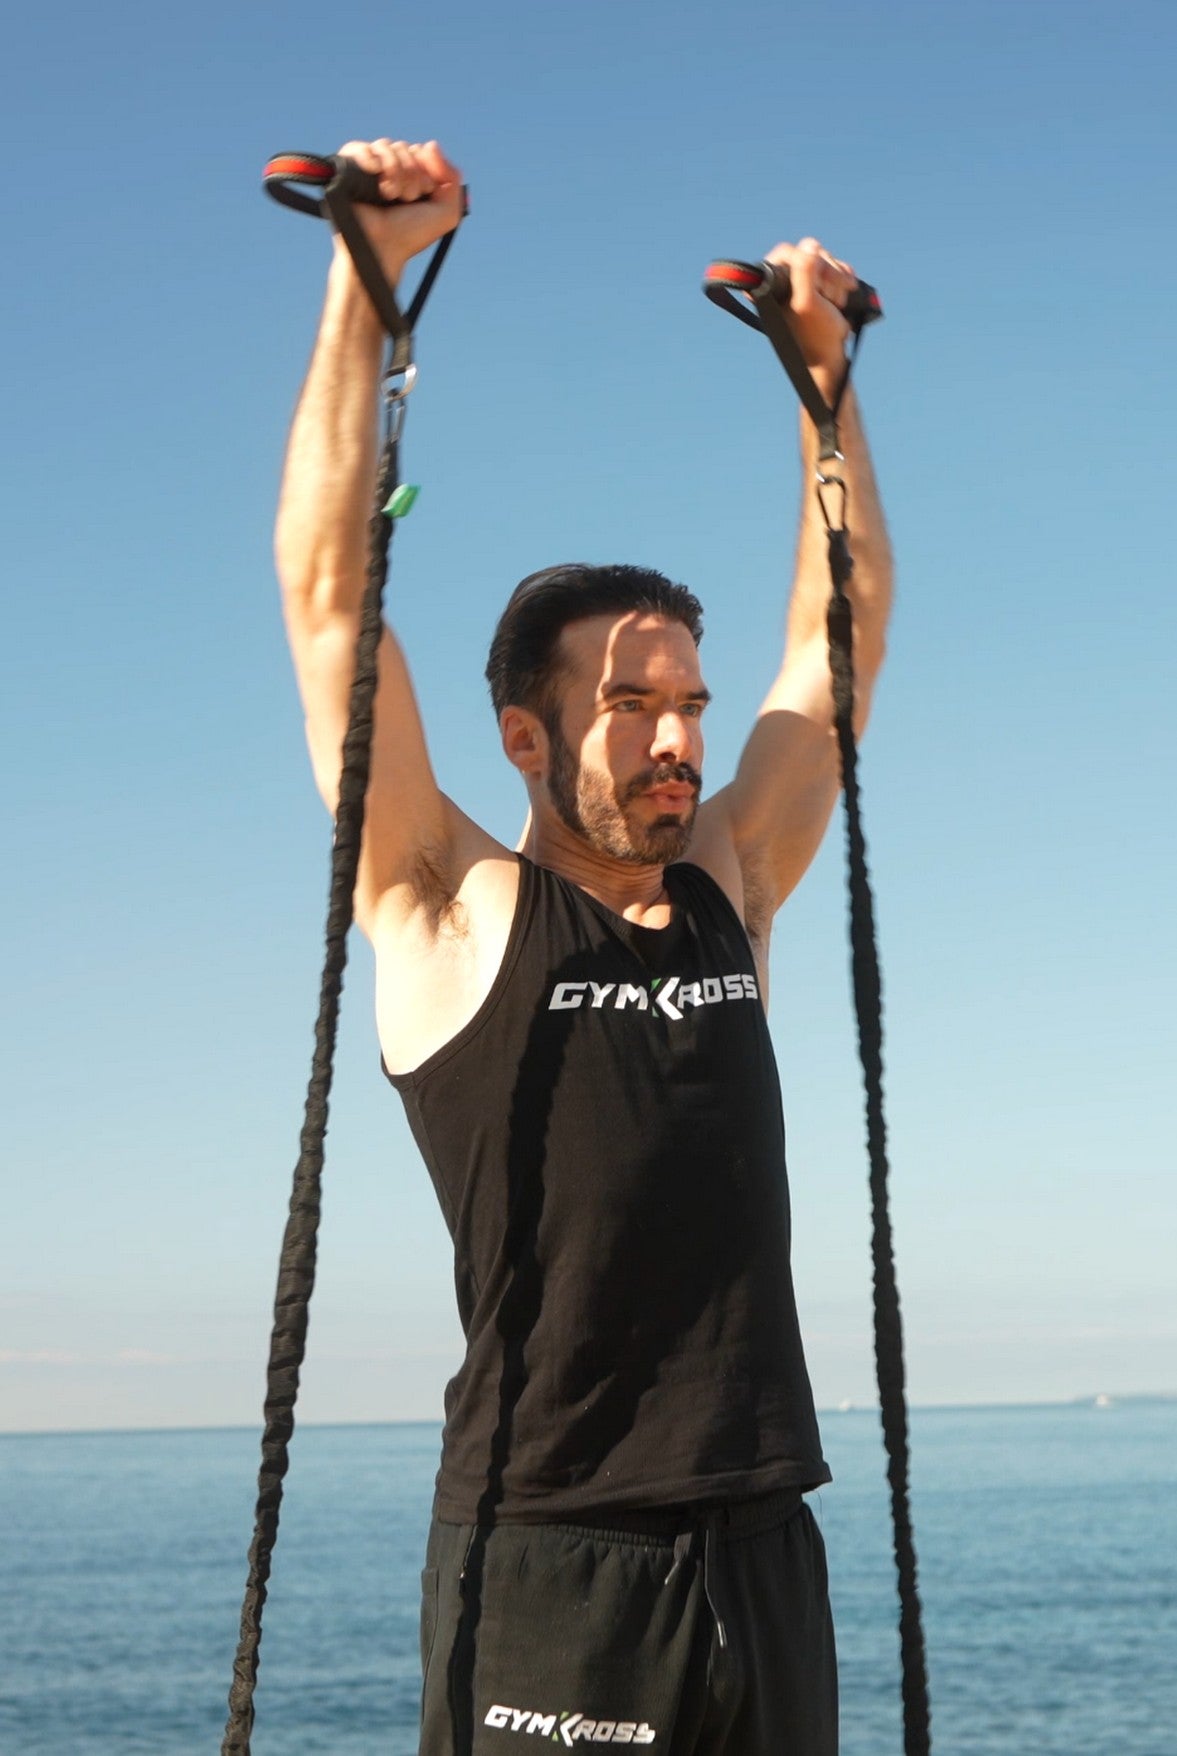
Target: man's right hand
point(420, 177)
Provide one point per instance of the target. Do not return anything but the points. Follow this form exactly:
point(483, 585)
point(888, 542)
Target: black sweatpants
point(694, 1634)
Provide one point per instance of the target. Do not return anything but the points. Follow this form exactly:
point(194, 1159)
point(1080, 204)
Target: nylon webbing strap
point(722, 281)
point(342, 215)
point(296, 1271)
point(345, 186)
point(767, 286)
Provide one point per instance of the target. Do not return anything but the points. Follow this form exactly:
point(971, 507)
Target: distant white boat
point(1102, 1401)
point(845, 1406)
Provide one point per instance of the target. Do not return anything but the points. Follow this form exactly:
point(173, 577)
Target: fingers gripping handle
point(757, 293)
point(345, 185)
point(728, 284)
point(288, 169)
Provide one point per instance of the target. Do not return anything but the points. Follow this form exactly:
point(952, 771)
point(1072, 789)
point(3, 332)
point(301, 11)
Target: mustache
point(663, 774)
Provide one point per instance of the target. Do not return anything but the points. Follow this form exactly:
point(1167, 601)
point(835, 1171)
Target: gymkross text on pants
point(570, 1728)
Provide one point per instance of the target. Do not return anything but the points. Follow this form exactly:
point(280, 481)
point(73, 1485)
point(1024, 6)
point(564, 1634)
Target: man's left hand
point(821, 285)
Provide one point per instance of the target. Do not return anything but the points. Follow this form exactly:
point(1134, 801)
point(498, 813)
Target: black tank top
point(607, 1144)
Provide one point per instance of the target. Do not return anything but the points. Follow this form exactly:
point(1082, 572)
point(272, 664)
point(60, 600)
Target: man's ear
point(525, 741)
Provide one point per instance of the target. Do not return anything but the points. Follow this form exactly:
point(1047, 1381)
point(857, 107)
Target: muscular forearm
point(321, 534)
point(871, 584)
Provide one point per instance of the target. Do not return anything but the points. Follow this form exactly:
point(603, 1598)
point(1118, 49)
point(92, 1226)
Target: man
point(620, 1551)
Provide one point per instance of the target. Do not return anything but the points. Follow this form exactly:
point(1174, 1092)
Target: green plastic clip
point(401, 501)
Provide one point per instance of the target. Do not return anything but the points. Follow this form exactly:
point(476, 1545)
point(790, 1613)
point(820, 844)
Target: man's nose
point(672, 738)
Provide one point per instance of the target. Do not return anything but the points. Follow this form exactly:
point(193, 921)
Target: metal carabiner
point(394, 395)
point(830, 485)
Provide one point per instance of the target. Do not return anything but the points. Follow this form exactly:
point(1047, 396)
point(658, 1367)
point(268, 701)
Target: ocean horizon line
point(1095, 1399)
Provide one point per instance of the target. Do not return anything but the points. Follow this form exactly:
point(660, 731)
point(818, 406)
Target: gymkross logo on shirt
point(570, 1728)
point(666, 994)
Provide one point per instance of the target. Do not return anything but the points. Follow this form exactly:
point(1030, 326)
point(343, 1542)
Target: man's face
point(627, 747)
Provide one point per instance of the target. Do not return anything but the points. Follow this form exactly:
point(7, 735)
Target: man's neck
point(636, 892)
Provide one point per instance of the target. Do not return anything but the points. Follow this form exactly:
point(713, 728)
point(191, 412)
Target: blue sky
point(1002, 172)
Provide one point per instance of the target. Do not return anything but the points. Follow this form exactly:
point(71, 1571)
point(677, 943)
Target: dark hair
point(524, 665)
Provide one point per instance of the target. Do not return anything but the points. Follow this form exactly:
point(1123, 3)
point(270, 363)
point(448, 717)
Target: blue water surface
point(1047, 1540)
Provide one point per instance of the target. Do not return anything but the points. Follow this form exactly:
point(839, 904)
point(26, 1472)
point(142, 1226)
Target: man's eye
point(693, 709)
point(633, 706)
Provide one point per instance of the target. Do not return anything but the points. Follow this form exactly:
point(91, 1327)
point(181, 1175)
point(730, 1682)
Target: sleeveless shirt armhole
point(524, 910)
point(712, 888)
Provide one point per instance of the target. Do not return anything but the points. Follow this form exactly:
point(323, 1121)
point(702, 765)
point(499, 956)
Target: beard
point(595, 809)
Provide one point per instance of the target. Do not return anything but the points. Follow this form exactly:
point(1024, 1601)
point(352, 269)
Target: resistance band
point(343, 184)
point(767, 286)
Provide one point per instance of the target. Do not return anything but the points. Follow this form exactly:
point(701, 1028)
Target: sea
point(1047, 1543)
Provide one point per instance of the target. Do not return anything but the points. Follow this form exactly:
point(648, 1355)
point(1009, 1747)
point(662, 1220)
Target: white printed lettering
point(662, 997)
point(574, 1728)
point(667, 994)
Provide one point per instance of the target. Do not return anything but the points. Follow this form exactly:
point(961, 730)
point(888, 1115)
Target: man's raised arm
point(321, 539)
point(778, 806)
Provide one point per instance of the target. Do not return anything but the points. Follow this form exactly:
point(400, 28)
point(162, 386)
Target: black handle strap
point(728, 283)
point(344, 185)
point(725, 278)
point(286, 170)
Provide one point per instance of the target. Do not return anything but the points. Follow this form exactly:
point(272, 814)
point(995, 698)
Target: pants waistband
point(724, 1519)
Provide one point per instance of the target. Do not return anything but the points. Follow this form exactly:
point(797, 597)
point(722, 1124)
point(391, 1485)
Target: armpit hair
point(758, 908)
point(435, 893)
